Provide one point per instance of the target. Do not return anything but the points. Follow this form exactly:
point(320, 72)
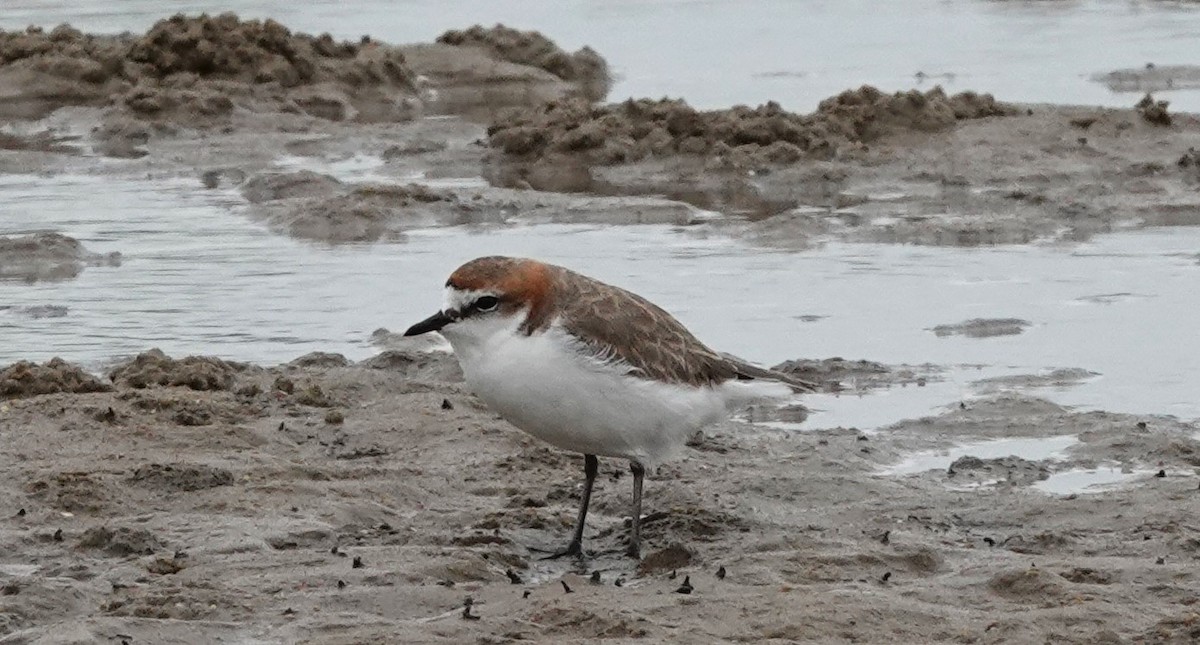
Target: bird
point(590, 368)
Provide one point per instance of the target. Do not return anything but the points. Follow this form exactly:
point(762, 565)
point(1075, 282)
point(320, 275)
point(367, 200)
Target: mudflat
point(197, 499)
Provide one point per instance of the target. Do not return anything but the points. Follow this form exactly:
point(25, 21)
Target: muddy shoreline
point(197, 499)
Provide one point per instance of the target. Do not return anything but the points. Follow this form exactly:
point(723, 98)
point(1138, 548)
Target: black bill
point(432, 323)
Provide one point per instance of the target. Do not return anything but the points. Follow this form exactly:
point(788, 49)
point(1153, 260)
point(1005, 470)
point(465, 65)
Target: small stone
point(721, 573)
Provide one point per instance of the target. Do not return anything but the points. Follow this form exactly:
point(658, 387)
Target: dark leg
point(591, 466)
point(635, 533)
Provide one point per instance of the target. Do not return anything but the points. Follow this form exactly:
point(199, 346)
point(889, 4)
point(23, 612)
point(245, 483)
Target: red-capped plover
point(589, 367)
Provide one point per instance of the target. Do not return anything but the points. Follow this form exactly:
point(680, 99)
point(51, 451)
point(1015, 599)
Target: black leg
point(591, 466)
point(635, 533)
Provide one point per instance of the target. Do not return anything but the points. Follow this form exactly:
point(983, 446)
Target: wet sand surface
point(1017, 461)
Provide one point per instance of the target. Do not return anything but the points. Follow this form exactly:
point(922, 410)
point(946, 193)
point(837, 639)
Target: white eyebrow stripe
point(458, 300)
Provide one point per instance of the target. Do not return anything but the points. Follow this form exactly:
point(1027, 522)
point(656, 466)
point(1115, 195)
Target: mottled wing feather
point(623, 326)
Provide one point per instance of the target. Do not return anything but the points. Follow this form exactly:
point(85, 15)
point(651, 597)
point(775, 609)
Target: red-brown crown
point(518, 281)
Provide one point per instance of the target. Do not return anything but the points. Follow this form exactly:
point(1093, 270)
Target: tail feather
point(747, 372)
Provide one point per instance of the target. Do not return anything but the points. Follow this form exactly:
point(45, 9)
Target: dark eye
point(486, 303)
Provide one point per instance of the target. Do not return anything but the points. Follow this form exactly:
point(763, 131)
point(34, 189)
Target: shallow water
point(717, 53)
point(200, 278)
point(1093, 480)
point(1031, 448)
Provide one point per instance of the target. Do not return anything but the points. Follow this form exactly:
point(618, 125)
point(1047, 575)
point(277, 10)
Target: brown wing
point(623, 325)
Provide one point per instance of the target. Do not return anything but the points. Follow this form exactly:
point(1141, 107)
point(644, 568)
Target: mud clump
point(1013, 470)
point(639, 129)
point(585, 67)
point(983, 328)
point(75, 492)
point(1031, 585)
point(119, 542)
point(837, 374)
point(675, 556)
point(154, 368)
point(25, 379)
point(48, 256)
point(1153, 112)
point(181, 477)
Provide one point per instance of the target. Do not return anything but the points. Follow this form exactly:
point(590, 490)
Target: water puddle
point(1030, 448)
point(1094, 480)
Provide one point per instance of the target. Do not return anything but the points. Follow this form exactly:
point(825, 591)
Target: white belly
point(543, 387)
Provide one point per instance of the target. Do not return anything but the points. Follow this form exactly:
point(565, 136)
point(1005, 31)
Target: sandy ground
point(195, 500)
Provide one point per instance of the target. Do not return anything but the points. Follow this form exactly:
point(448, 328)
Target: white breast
point(545, 386)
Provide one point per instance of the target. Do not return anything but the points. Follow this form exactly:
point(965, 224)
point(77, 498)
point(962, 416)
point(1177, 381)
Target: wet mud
point(269, 520)
point(497, 123)
point(47, 257)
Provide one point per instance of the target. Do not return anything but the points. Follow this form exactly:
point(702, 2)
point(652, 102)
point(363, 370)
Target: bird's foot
point(574, 549)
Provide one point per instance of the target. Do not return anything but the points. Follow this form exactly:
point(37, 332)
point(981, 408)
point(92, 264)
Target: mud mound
point(196, 372)
point(199, 65)
point(271, 186)
point(837, 374)
point(251, 51)
point(47, 256)
point(367, 213)
point(983, 327)
point(434, 366)
point(638, 129)
point(585, 66)
point(60, 67)
point(24, 379)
